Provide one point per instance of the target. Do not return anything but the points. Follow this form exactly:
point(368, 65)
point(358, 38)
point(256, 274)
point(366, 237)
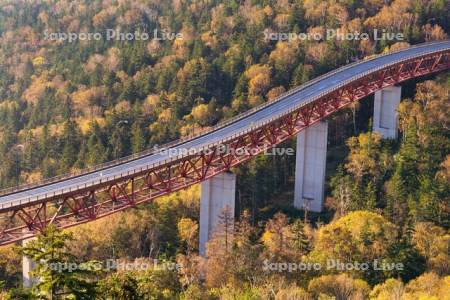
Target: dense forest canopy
point(67, 105)
point(64, 101)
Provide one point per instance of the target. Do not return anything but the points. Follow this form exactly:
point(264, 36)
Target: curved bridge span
point(78, 198)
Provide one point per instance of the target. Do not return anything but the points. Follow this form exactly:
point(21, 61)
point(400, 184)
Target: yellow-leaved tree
point(360, 236)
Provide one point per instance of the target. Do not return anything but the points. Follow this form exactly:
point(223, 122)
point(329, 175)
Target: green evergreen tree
point(129, 92)
point(396, 198)
point(81, 157)
point(409, 157)
point(55, 279)
point(137, 138)
point(371, 196)
point(300, 239)
point(119, 141)
point(96, 151)
point(71, 142)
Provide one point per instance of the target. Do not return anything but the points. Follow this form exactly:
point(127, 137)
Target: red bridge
point(94, 193)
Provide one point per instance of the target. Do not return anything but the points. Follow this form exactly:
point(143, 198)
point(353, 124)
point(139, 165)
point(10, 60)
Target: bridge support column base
point(27, 266)
point(217, 194)
point(385, 111)
point(310, 167)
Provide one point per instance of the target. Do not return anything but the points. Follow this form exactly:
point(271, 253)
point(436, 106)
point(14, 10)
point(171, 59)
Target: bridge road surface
point(302, 95)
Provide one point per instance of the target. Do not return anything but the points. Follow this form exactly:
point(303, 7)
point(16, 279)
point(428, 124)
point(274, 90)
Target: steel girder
point(103, 199)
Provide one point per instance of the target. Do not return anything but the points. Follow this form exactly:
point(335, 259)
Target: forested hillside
point(65, 106)
point(68, 105)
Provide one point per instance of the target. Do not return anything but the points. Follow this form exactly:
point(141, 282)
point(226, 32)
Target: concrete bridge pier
point(385, 111)
point(217, 193)
point(310, 167)
point(27, 266)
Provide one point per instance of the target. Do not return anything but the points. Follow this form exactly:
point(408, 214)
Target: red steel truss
point(103, 199)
